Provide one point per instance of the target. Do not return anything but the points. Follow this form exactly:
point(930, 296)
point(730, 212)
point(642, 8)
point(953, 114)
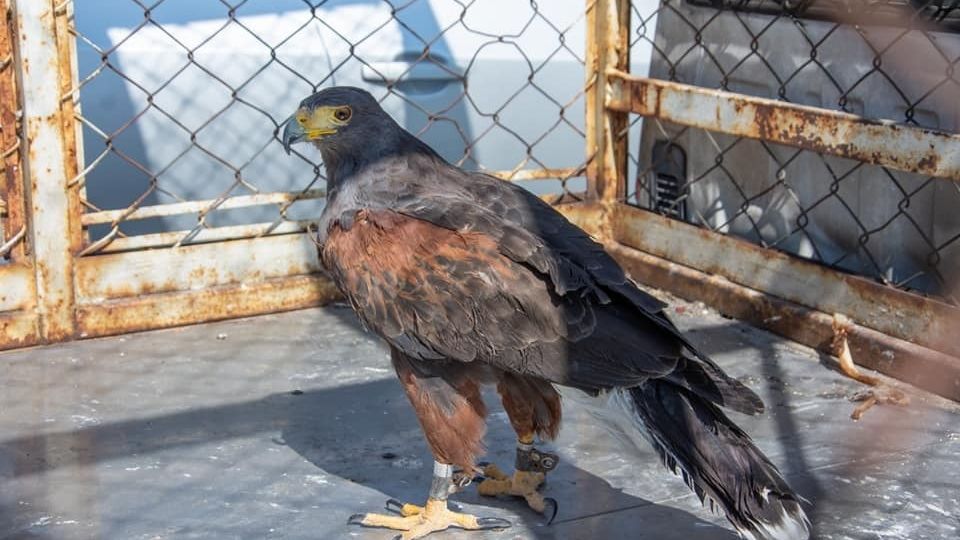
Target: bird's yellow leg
point(419, 521)
point(531, 471)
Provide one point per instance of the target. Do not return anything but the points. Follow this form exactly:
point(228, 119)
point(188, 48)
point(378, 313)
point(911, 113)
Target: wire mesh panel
point(158, 190)
point(182, 102)
point(894, 60)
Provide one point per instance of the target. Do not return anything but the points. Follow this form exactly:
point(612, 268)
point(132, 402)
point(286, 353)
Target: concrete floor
point(282, 426)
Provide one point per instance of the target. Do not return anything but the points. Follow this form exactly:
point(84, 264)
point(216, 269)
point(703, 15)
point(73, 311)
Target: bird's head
point(340, 117)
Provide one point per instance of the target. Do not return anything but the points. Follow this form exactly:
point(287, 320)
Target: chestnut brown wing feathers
point(438, 294)
point(450, 265)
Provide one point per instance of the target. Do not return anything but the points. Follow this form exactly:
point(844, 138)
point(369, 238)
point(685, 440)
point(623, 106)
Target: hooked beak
point(292, 133)
point(309, 125)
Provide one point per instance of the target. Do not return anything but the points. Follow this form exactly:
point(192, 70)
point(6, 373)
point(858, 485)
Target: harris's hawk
point(471, 281)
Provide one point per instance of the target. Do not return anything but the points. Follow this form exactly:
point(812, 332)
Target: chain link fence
point(181, 104)
point(890, 60)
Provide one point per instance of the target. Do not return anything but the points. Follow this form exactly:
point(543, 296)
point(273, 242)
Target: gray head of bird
point(341, 120)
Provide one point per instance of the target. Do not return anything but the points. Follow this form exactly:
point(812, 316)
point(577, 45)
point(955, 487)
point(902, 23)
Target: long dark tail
point(717, 460)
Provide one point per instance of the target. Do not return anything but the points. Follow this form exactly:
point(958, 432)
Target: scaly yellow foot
point(522, 484)
point(419, 521)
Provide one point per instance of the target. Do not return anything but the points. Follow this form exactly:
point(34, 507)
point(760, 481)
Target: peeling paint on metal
point(880, 142)
point(910, 317)
point(11, 182)
point(18, 329)
point(925, 368)
point(106, 277)
point(46, 162)
point(215, 303)
point(16, 292)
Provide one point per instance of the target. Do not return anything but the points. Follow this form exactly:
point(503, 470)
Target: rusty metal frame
point(879, 142)
point(920, 359)
point(61, 287)
point(67, 287)
point(113, 241)
point(50, 162)
point(921, 366)
point(19, 322)
point(910, 317)
point(905, 335)
point(608, 50)
point(13, 227)
point(53, 292)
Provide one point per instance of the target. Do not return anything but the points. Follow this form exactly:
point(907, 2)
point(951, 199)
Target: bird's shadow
point(367, 434)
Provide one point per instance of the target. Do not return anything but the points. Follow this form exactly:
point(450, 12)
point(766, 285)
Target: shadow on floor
point(362, 433)
point(378, 443)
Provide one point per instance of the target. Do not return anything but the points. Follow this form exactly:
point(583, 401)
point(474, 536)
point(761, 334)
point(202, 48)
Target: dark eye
point(343, 114)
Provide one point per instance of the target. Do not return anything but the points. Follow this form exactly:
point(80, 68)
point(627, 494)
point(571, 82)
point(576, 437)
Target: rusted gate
point(72, 269)
point(902, 332)
point(52, 290)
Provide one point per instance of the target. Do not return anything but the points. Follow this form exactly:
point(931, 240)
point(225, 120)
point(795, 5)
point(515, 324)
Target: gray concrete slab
point(282, 426)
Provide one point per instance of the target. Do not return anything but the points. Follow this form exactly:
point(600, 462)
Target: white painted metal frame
point(61, 293)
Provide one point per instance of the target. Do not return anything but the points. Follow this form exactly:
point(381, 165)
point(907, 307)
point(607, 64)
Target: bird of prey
point(471, 281)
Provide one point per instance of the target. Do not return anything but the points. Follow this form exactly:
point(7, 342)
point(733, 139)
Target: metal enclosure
point(896, 223)
point(104, 235)
point(782, 163)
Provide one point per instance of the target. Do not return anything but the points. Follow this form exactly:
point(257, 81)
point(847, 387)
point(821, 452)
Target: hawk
point(473, 281)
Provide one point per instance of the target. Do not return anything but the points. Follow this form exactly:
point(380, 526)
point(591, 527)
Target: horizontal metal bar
point(190, 207)
point(165, 310)
point(920, 366)
point(19, 329)
point(118, 275)
point(284, 197)
point(589, 216)
point(109, 310)
point(16, 287)
point(215, 234)
point(261, 199)
point(880, 142)
point(537, 174)
point(910, 317)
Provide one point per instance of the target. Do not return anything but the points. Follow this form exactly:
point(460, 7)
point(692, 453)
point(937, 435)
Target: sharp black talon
point(550, 507)
point(393, 505)
point(398, 537)
point(492, 523)
point(356, 519)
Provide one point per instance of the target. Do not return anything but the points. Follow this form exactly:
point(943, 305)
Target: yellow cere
point(323, 121)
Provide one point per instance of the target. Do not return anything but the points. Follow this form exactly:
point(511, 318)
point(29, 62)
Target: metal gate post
point(53, 207)
point(608, 49)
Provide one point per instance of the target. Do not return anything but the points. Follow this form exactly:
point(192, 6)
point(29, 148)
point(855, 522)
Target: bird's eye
point(343, 114)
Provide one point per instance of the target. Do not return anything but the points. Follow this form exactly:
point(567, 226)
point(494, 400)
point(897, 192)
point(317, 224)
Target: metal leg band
point(530, 459)
point(442, 484)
